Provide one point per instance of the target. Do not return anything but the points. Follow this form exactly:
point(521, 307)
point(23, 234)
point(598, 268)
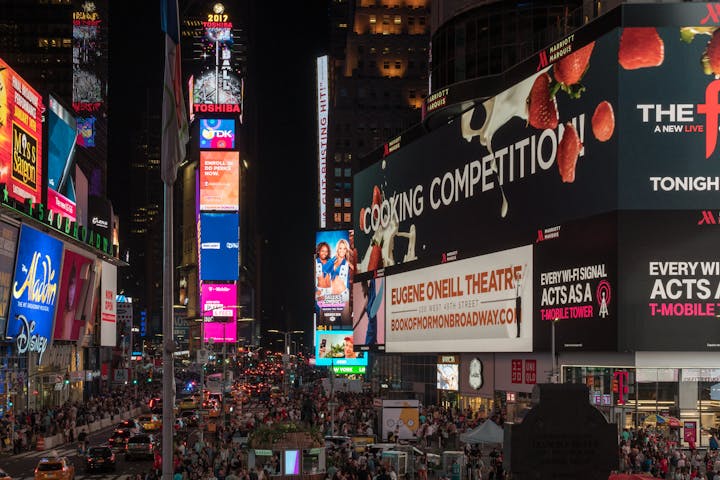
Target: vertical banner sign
point(34, 292)
point(108, 301)
point(8, 246)
point(322, 110)
point(21, 111)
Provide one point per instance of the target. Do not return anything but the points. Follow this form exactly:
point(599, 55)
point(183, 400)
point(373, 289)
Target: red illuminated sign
point(516, 371)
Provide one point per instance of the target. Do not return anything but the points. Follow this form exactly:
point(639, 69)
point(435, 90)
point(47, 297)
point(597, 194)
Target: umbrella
point(655, 419)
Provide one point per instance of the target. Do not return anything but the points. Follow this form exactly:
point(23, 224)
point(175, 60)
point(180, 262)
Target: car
point(131, 425)
point(118, 440)
point(190, 418)
point(100, 458)
point(4, 475)
point(54, 468)
point(188, 403)
point(150, 422)
point(179, 424)
point(141, 446)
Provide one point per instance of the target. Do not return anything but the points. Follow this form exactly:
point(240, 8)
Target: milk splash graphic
point(499, 110)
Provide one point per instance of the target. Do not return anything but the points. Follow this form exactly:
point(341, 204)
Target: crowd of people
point(20, 430)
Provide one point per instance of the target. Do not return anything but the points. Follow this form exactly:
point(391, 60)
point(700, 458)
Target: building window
point(398, 64)
point(347, 217)
point(347, 186)
point(386, 50)
point(386, 65)
point(337, 203)
point(386, 19)
point(412, 94)
point(411, 21)
point(373, 19)
point(337, 217)
point(43, 42)
point(347, 202)
point(348, 172)
point(421, 20)
point(338, 171)
point(373, 50)
point(361, 49)
point(397, 20)
point(342, 25)
point(373, 64)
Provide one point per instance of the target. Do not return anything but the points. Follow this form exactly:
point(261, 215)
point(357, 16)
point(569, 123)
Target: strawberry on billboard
point(21, 112)
point(543, 151)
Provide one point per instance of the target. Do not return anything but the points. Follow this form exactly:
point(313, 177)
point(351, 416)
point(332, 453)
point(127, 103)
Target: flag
point(175, 130)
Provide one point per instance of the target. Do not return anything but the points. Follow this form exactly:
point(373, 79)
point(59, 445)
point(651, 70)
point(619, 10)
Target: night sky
point(284, 41)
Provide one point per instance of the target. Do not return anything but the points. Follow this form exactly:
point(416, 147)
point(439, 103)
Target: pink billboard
point(218, 302)
point(73, 280)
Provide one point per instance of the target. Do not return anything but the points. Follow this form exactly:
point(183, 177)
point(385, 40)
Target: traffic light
point(135, 382)
point(149, 379)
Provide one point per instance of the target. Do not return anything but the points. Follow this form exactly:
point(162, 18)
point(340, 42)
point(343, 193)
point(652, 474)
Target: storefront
point(477, 378)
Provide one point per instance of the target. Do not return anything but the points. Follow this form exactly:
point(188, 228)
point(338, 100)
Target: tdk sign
point(217, 134)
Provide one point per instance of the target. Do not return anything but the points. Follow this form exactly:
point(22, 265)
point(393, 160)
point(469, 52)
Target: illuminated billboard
point(21, 112)
point(61, 132)
point(89, 57)
point(334, 267)
point(480, 304)
point(218, 83)
point(448, 375)
point(219, 181)
point(220, 320)
point(86, 131)
point(322, 134)
point(34, 291)
point(369, 314)
point(335, 348)
point(217, 133)
point(108, 305)
point(73, 288)
point(220, 332)
point(219, 242)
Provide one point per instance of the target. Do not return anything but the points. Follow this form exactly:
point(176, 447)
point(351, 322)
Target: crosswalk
point(61, 452)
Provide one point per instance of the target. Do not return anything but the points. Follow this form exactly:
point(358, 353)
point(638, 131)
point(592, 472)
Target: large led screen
point(217, 300)
point(108, 305)
point(217, 133)
point(62, 132)
point(576, 285)
point(448, 376)
point(73, 283)
point(219, 181)
point(334, 270)
point(481, 304)
point(335, 347)
point(21, 112)
point(34, 291)
point(485, 181)
point(369, 314)
point(219, 242)
point(669, 267)
point(89, 56)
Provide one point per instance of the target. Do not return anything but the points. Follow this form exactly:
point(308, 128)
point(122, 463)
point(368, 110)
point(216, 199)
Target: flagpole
point(168, 416)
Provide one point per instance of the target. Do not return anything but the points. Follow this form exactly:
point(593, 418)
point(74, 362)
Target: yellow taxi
point(188, 403)
point(150, 422)
point(54, 468)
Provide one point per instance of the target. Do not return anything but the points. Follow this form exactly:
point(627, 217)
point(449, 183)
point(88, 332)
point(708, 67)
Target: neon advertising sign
point(34, 291)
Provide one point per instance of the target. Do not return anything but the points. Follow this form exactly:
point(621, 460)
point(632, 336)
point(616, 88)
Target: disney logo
point(26, 341)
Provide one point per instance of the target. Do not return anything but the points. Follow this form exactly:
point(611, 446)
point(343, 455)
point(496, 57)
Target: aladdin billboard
point(21, 119)
point(34, 291)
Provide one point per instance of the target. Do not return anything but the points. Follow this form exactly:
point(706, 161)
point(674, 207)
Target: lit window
point(43, 42)
point(386, 19)
point(373, 50)
point(67, 42)
point(347, 217)
point(373, 19)
point(348, 172)
point(337, 202)
point(338, 171)
point(342, 25)
point(347, 202)
point(386, 50)
point(397, 20)
point(337, 217)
